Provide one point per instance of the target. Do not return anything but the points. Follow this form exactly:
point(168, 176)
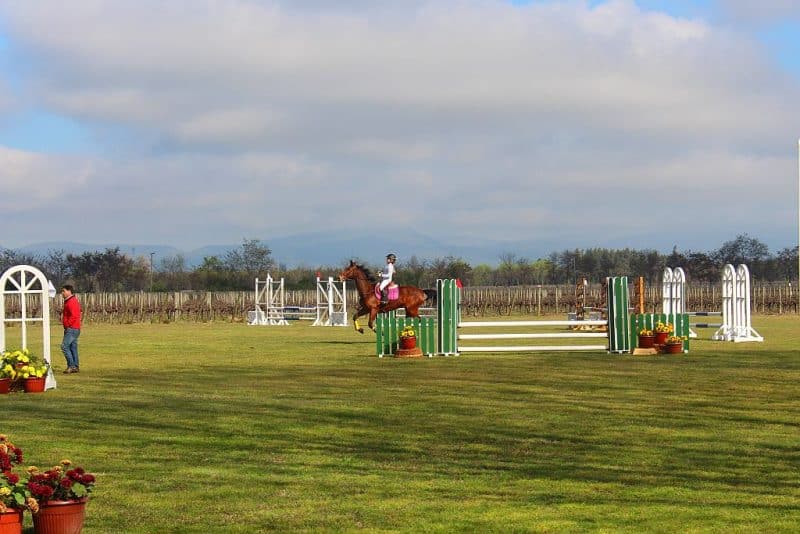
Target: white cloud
point(763, 11)
point(507, 113)
point(29, 180)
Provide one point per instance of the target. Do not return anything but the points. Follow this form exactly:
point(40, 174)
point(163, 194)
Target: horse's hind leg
point(373, 313)
point(412, 311)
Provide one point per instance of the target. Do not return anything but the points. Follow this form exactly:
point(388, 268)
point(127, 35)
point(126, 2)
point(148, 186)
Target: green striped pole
point(447, 316)
point(384, 324)
point(619, 339)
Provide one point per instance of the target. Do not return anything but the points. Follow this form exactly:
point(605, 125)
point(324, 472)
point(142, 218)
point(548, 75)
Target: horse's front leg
point(358, 313)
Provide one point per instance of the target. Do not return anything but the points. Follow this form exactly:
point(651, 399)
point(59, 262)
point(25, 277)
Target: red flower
point(12, 478)
point(40, 490)
point(66, 483)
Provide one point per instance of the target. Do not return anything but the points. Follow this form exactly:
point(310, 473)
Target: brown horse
point(410, 298)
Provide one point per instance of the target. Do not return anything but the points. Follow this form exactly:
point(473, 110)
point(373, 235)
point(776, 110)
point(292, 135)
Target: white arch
point(26, 280)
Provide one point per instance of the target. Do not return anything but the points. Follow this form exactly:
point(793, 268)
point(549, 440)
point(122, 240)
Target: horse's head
point(355, 271)
point(350, 272)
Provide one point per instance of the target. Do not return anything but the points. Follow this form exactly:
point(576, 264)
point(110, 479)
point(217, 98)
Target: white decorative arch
point(26, 280)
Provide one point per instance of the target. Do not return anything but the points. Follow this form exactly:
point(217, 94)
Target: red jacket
point(71, 316)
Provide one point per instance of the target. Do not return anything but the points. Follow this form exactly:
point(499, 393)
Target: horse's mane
point(367, 273)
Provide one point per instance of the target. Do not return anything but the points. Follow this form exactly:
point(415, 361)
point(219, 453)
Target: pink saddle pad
point(394, 292)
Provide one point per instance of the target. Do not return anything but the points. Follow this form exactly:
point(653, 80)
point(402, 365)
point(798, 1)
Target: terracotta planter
point(408, 343)
point(647, 342)
point(5, 385)
point(672, 348)
point(60, 517)
point(661, 337)
point(11, 522)
point(34, 385)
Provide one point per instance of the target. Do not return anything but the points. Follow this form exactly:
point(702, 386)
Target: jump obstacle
point(736, 323)
point(19, 282)
point(442, 337)
point(271, 308)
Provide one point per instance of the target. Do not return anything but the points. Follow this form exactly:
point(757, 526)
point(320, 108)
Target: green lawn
point(233, 428)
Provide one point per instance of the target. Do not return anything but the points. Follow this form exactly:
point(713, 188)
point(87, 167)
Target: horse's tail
point(430, 295)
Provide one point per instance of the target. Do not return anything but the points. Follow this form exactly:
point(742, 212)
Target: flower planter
point(408, 342)
point(11, 522)
point(60, 517)
point(34, 385)
point(5, 385)
point(647, 342)
point(661, 337)
point(672, 348)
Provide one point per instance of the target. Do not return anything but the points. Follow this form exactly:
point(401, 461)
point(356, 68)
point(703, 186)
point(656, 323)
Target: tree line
point(110, 270)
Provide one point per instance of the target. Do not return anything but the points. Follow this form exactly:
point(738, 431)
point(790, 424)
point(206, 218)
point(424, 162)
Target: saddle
point(394, 291)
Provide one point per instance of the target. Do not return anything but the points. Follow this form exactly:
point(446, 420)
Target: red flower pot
point(661, 337)
point(5, 385)
point(647, 342)
point(34, 385)
point(11, 522)
point(672, 348)
point(408, 342)
point(60, 517)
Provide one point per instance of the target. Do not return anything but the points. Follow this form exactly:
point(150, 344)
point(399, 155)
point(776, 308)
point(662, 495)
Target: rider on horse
point(386, 277)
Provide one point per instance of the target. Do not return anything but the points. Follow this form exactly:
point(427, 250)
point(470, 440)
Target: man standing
point(71, 319)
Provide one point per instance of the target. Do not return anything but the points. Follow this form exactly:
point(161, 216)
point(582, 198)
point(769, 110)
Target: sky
point(648, 124)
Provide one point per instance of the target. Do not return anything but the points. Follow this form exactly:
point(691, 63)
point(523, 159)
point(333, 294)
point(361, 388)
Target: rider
point(386, 277)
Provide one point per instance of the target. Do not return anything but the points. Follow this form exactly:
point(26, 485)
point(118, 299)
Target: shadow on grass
point(439, 424)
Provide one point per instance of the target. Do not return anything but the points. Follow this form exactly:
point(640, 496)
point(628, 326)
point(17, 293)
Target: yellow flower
point(5, 491)
point(32, 469)
point(32, 504)
point(66, 463)
point(4, 449)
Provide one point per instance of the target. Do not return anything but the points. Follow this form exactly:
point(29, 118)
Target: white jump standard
point(736, 321)
point(271, 308)
point(19, 282)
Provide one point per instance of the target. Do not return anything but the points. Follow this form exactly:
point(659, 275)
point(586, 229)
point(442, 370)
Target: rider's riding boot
point(384, 296)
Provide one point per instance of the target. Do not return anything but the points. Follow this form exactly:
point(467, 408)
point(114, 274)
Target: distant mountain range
point(318, 249)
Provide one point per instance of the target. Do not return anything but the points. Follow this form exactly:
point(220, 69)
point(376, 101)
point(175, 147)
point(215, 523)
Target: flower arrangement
point(645, 332)
point(675, 339)
point(62, 482)
point(407, 332)
point(664, 327)
point(22, 364)
point(14, 494)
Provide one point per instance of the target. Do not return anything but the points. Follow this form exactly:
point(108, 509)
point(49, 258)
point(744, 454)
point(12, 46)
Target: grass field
point(229, 428)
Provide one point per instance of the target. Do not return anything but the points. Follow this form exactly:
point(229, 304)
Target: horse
point(410, 297)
